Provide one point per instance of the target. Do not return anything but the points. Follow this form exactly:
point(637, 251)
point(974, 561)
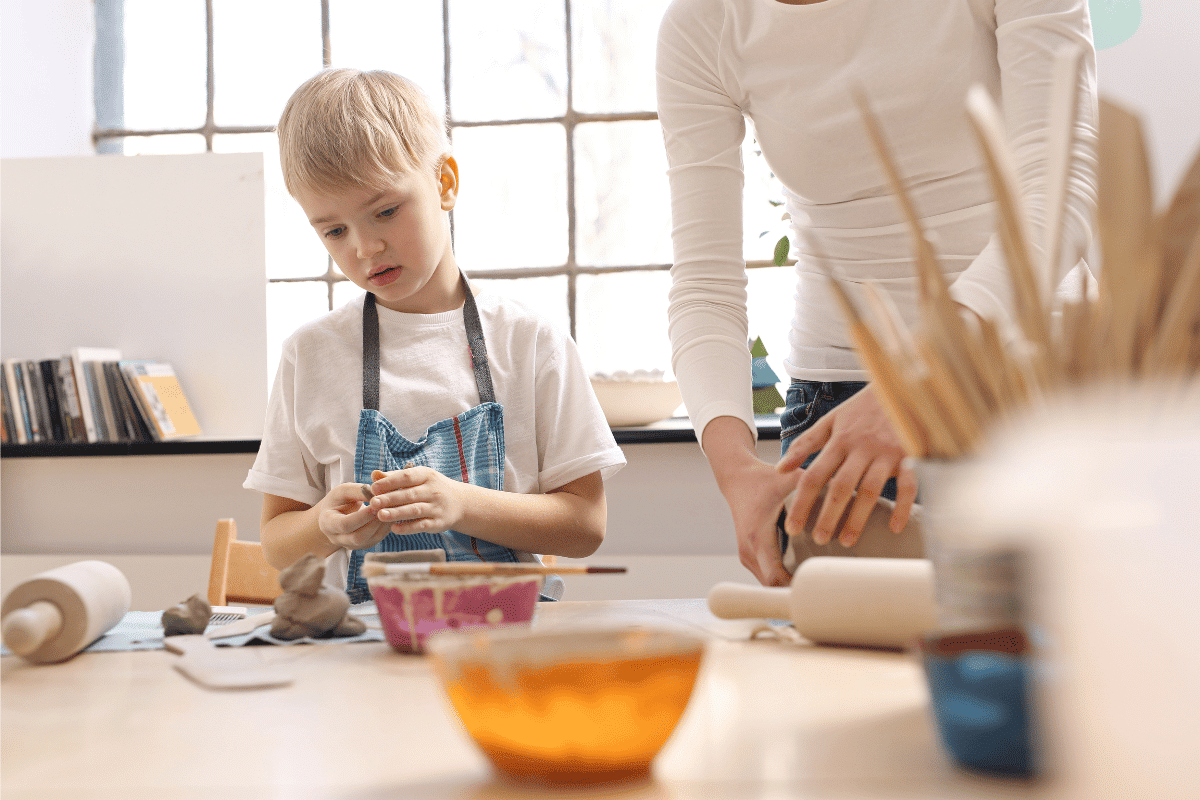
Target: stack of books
point(93, 395)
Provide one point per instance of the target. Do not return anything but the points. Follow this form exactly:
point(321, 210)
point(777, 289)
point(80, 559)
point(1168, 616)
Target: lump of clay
point(308, 607)
point(189, 617)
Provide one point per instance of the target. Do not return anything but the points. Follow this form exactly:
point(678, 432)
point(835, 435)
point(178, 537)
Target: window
point(564, 201)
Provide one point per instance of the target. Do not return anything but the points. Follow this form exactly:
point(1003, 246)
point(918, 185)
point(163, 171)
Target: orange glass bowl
point(563, 706)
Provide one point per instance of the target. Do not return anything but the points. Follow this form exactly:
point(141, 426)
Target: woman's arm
point(1029, 35)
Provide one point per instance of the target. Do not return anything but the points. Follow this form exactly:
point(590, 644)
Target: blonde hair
point(346, 127)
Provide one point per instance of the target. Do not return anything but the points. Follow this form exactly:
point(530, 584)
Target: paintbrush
point(375, 569)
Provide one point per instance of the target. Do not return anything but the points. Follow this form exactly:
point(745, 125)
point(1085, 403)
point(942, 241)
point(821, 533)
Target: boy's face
point(395, 242)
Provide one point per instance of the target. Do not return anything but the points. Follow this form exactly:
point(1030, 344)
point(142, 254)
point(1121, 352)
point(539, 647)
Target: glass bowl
point(569, 707)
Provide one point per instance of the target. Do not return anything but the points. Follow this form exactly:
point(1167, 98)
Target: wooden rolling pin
point(55, 614)
point(865, 602)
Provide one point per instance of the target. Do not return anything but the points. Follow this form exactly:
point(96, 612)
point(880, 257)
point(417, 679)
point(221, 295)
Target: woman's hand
point(418, 499)
point(755, 493)
point(346, 520)
point(859, 451)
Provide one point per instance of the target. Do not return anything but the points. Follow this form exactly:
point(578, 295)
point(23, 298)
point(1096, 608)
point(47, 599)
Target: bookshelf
point(160, 257)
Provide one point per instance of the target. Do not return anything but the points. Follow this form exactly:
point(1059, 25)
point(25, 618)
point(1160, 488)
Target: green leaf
point(781, 251)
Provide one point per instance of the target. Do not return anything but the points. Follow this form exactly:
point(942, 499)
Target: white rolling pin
point(55, 614)
point(866, 602)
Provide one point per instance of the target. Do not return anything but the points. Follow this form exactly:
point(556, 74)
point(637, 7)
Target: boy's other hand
point(347, 521)
point(417, 500)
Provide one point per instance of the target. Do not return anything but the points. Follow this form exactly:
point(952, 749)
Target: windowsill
point(675, 429)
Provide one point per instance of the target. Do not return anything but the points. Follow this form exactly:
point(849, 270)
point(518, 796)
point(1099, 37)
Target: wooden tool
point(55, 614)
point(865, 602)
point(374, 569)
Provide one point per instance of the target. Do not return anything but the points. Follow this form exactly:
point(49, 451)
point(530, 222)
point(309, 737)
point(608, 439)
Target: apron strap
point(479, 356)
point(478, 349)
point(370, 353)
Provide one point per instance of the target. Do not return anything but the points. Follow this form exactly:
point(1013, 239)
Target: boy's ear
point(448, 182)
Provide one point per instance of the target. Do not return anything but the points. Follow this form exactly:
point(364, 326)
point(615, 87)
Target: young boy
point(419, 416)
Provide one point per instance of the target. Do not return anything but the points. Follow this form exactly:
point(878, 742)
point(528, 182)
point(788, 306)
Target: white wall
point(46, 77)
point(1155, 73)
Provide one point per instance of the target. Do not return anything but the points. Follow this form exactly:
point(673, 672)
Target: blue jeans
point(807, 402)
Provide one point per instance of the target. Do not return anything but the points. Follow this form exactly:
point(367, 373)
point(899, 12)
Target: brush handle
point(375, 569)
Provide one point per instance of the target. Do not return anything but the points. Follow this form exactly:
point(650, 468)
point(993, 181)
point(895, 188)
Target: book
point(89, 400)
point(15, 387)
point(131, 426)
point(107, 421)
point(48, 369)
point(10, 428)
point(68, 402)
point(157, 389)
point(33, 401)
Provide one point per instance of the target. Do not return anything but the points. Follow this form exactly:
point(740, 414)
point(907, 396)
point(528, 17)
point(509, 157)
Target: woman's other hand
point(859, 452)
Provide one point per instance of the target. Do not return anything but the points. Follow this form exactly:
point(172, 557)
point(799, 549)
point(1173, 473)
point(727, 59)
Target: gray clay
point(189, 617)
point(309, 608)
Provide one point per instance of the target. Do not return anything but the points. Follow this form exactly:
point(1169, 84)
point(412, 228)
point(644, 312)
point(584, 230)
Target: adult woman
point(790, 67)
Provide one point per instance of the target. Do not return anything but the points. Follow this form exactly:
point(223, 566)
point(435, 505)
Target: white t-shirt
point(554, 429)
point(790, 69)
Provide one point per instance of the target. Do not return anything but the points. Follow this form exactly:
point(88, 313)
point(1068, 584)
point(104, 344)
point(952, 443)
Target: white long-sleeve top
point(790, 70)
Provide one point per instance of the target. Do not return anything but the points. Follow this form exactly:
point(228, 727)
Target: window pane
point(162, 145)
point(546, 296)
point(293, 249)
point(507, 60)
point(290, 305)
point(264, 49)
point(512, 207)
point(771, 302)
point(621, 321)
point(622, 200)
point(344, 292)
point(613, 45)
point(762, 206)
point(165, 64)
point(363, 35)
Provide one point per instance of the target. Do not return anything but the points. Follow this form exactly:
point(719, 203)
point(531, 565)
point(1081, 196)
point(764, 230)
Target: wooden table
point(769, 719)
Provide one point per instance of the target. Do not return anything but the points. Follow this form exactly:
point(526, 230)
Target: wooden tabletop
point(769, 718)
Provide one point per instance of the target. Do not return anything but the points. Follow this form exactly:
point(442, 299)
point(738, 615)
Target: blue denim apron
point(468, 448)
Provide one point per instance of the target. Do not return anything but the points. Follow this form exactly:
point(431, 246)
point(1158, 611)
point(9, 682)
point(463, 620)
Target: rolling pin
point(865, 602)
point(55, 614)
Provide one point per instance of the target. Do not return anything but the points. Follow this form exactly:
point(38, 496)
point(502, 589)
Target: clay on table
point(308, 607)
point(189, 617)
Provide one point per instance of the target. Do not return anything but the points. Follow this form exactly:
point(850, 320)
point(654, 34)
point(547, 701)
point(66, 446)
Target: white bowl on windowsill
point(632, 403)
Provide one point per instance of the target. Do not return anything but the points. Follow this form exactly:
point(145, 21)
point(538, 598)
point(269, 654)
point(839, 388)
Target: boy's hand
point(417, 500)
point(346, 521)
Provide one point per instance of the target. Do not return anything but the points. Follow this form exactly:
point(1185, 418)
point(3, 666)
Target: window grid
point(569, 120)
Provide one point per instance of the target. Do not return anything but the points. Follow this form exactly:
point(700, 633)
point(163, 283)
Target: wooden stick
point(1180, 227)
point(989, 130)
point(884, 372)
point(1126, 220)
point(1064, 108)
point(375, 568)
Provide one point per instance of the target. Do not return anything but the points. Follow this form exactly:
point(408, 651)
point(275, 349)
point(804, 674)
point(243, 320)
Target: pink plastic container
point(413, 607)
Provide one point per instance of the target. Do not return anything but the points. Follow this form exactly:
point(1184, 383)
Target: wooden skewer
point(989, 130)
point(1130, 273)
point(374, 568)
point(891, 388)
point(1064, 106)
